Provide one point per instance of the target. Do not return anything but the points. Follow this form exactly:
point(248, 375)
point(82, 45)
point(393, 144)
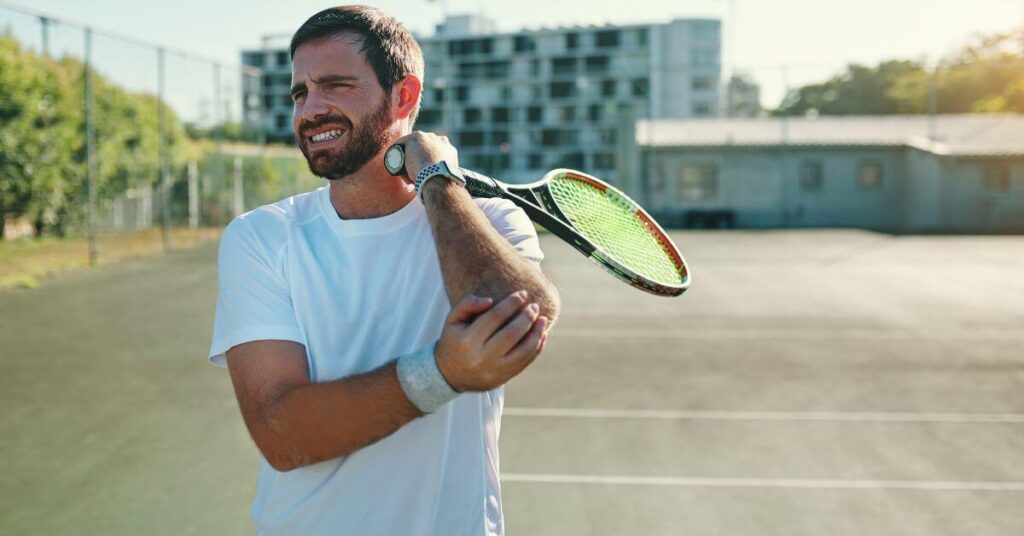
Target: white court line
point(809, 334)
point(826, 416)
point(791, 483)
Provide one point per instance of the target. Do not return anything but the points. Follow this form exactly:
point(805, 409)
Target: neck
point(371, 192)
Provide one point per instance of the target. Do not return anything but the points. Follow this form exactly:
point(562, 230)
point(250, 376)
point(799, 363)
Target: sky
point(782, 43)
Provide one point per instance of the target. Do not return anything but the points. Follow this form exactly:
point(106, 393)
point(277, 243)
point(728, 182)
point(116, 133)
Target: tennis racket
point(594, 217)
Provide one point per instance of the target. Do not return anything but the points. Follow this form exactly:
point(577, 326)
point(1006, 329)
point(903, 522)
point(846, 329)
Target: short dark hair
point(389, 48)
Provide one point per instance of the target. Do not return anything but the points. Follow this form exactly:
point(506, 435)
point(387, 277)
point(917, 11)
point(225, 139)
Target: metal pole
point(193, 194)
point(239, 193)
point(784, 153)
point(165, 190)
point(90, 171)
point(44, 24)
point(933, 104)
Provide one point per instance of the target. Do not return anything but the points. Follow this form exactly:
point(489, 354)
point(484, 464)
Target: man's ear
point(406, 95)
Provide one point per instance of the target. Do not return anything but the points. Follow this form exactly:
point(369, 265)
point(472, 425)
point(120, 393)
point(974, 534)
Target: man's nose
point(314, 107)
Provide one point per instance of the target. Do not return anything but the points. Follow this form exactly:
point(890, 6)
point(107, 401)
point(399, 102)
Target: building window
point(287, 101)
point(281, 121)
point(697, 183)
point(869, 176)
point(607, 39)
point(700, 83)
point(701, 109)
point(429, 117)
point(594, 112)
point(604, 161)
point(561, 90)
point(812, 176)
point(438, 95)
point(607, 135)
point(499, 115)
point(505, 93)
point(282, 58)
point(535, 161)
point(524, 43)
point(534, 114)
point(268, 101)
point(554, 136)
point(567, 113)
point(597, 64)
point(572, 161)
point(641, 37)
point(640, 87)
point(472, 116)
point(462, 93)
point(997, 178)
point(608, 88)
point(572, 40)
point(499, 137)
point(471, 138)
point(563, 66)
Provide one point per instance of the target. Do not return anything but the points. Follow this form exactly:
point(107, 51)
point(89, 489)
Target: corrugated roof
point(962, 135)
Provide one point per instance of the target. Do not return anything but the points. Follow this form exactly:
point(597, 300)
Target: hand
point(425, 148)
point(481, 353)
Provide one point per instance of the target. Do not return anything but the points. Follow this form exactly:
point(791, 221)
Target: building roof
point(960, 135)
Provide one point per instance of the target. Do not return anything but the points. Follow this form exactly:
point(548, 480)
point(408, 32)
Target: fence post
point(239, 205)
point(165, 182)
point(193, 194)
point(90, 171)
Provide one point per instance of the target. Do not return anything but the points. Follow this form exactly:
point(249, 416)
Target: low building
point(948, 173)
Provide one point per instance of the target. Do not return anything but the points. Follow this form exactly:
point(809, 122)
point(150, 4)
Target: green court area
point(809, 382)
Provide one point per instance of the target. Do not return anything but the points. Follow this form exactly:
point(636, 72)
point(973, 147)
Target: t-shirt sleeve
point(253, 299)
point(513, 223)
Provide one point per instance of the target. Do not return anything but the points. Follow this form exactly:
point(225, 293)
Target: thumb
point(469, 307)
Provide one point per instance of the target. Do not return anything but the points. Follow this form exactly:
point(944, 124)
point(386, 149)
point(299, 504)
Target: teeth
point(324, 136)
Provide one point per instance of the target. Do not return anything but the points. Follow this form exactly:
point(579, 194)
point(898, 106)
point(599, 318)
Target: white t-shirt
point(357, 294)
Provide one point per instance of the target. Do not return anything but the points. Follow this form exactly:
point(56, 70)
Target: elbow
point(550, 303)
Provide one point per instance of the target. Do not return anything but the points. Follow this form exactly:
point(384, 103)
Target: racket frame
point(538, 203)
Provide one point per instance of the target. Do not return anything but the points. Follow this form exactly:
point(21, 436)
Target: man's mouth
point(321, 139)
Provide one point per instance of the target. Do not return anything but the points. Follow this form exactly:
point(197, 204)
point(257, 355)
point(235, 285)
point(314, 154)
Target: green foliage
point(984, 76)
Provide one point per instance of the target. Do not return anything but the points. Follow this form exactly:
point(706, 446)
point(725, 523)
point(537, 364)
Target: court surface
point(810, 382)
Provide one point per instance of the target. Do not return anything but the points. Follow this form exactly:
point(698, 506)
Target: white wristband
point(422, 381)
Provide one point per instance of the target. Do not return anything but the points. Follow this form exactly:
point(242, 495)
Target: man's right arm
point(295, 423)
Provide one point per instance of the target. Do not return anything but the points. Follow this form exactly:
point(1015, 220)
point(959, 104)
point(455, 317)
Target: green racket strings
point(611, 224)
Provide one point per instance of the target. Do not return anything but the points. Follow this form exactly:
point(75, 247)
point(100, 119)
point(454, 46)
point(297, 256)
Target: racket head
point(627, 241)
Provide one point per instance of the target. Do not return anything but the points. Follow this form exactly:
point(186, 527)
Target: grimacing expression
point(342, 115)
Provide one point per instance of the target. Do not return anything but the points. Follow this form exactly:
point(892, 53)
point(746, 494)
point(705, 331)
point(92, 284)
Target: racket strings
point(612, 224)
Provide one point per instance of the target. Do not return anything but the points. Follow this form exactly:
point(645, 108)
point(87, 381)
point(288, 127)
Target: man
point(368, 329)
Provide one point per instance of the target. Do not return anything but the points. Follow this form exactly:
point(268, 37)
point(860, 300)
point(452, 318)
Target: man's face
point(342, 116)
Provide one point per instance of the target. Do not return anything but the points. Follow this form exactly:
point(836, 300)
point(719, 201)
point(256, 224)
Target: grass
point(28, 262)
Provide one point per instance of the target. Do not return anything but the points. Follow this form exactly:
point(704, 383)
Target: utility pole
point(90, 166)
point(165, 186)
point(44, 24)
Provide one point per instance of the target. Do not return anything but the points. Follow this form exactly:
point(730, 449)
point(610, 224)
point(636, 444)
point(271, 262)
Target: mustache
point(306, 126)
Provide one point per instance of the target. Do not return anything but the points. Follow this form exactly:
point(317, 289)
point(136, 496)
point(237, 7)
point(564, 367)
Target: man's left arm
point(475, 257)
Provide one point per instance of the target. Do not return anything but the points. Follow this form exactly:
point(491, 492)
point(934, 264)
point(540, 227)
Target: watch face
point(394, 159)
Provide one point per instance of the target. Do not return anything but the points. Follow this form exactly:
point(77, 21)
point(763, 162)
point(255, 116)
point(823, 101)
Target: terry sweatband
point(422, 381)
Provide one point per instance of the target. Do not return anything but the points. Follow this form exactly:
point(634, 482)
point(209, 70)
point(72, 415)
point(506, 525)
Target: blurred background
point(846, 179)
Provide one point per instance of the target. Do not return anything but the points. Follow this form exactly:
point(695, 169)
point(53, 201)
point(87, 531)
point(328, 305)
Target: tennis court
point(810, 382)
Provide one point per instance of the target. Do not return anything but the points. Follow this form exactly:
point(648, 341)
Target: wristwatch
point(438, 169)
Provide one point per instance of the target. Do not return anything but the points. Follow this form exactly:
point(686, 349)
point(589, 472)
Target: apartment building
point(520, 103)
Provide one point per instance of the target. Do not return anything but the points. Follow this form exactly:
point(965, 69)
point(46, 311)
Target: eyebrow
point(323, 80)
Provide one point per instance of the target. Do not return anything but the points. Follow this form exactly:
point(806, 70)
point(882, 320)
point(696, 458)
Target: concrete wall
point(761, 186)
point(969, 205)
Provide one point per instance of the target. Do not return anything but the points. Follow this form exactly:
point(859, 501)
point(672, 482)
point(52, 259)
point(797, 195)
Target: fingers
point(507, 337)
point(468, 308)
point(488, 323)
point(529, 347)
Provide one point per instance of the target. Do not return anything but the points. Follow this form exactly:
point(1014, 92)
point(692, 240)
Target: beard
point(359, 145)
